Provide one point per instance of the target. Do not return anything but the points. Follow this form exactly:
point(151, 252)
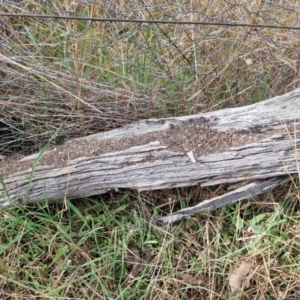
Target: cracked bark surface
point(255, 142)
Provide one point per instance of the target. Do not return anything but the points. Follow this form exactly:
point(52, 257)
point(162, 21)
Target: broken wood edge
point(245, 192)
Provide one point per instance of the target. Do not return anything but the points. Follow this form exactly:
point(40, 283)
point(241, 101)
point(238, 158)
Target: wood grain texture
point(247, 191)
point(154, 166)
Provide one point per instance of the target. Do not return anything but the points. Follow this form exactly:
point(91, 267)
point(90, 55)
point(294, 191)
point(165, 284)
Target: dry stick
point(246, 192)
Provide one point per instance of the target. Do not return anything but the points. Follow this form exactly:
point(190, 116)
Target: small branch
point(246, 192)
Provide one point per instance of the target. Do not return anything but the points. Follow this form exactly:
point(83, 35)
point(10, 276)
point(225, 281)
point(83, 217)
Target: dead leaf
point(137, 261)
point(188, 278)
point(191, 156)
point(238, 275)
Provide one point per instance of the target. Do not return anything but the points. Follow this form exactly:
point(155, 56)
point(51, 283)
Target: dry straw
point(95, 76)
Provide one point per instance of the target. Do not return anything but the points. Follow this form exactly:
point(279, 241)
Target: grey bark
point(154, 166)
point(247, 191)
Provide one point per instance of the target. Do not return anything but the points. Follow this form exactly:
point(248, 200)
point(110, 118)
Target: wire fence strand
point(94, 76)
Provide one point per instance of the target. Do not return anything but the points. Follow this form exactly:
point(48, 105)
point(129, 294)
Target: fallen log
point(255, 142)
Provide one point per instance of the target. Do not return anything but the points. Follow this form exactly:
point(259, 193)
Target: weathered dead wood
point(247, 191)
point(265, 138)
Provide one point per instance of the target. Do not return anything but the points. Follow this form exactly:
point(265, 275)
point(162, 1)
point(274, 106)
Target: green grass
point(88, 250)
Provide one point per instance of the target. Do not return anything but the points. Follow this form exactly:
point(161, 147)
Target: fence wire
point(87, 77)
